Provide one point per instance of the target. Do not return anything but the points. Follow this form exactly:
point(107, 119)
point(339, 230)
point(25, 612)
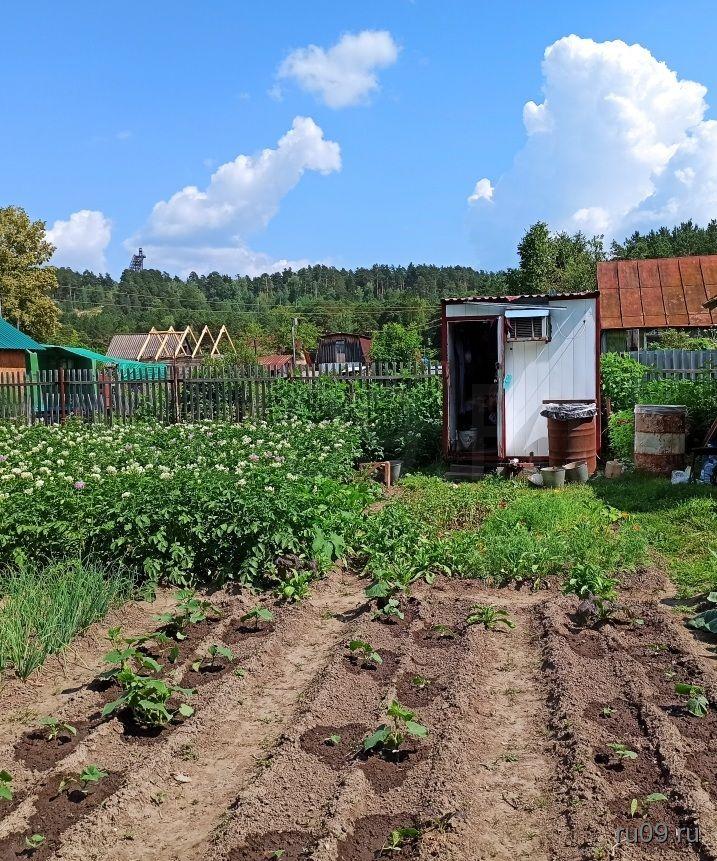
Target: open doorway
point(474, 386)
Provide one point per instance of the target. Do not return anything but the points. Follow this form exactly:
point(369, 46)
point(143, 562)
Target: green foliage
point(83, 781)
point(396, 343)
point(212, 501)
point(621, 751)
point(556, 263)
point(389, 737)
point(214, 652)
point(420, 682)
point(679, 339)
point(191, 610)
point(697, 703)
point(26, 281)
point(34, 841)
point(621, 432)
point(45, 606)
point(399, 837)
point(365, 653)
point(707, 620)
point(256, 615)
point(56, 726)
point(682, 240)
point(6, 790)
point(146, 699)
point(642, 805)
point(399, 420)
point(622, 378)
point(489, 616)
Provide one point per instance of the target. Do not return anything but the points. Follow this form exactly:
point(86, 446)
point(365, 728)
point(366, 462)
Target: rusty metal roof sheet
point(525, 297)
point(659, 293)
point(275, 361)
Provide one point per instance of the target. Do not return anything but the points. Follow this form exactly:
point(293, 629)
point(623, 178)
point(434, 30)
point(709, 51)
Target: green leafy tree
point(26, 282)
point(396, 343)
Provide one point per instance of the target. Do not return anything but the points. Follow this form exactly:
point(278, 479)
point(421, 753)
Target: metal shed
point(503, 358)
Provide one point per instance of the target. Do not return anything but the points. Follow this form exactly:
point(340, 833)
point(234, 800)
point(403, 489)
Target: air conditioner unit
point(528, 325)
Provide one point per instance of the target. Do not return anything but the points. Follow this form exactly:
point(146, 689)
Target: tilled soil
point(516, 763)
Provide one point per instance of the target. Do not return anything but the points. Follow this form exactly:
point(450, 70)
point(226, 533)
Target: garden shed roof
point(13, 339)
point(657, 293)
point(275, 361)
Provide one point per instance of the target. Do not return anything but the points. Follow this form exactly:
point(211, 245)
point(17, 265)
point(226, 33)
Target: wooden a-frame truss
point(182, 344)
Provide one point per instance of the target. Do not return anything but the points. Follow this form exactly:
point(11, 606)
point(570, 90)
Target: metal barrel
point(571, 441)
point(659, 438)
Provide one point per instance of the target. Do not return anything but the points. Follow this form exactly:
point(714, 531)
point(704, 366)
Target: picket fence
point(173, 393)
point(678, 364)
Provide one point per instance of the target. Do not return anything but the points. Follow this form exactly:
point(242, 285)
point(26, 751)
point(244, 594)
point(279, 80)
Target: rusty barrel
point(572, 441)
point(659, 438)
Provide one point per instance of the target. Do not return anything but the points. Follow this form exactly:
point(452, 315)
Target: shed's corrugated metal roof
point(656, 293)
point(13, 339)
point(275, 361)
point(108, 360)
point(129, 346)
point(525, 297)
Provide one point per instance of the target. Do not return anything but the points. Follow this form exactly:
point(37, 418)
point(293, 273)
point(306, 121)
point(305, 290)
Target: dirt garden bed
point(539, 740)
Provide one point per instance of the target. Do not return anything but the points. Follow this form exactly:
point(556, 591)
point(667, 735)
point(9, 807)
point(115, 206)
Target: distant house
point(18, 351)
point(276, 362)
point(56, 356)
point(169, 345)
point(640, 296)
point(342, 348)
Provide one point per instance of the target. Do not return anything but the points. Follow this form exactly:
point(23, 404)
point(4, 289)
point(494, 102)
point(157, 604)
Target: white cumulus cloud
point(81, 240)
point(344, 74)
point(207, 229)
point(618, 142)
point(482, 191)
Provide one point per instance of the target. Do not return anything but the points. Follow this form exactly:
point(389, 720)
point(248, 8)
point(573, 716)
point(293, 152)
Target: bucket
point(468, 438)
point(396, 466)
point(576, 472)
point(553, 476)
point(659, 438)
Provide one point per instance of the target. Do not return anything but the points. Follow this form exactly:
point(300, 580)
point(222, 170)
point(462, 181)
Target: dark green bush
point(621, 432)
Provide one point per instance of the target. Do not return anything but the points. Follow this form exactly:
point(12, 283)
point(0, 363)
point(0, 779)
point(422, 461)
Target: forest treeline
point(258, 311)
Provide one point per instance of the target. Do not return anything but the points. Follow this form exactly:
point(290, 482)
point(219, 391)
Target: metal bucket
point(553, 476)
point(396, 467)
point(576, 472)
point(659, 438)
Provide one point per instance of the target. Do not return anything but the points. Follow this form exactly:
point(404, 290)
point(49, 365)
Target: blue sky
point(108, 111)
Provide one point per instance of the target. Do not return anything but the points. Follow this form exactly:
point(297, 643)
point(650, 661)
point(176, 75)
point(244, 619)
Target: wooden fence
point(173, 393)
point(678, 364)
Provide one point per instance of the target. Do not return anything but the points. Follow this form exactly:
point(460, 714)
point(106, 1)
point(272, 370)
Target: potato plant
point(55, 727)
point(364, 654)
point(82, 782)
point(146, 699)
point(389, 737)
point(6, 790)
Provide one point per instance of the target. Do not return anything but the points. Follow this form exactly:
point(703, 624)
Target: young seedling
point(607, 712)
point(333, 740)
point(489, 616)
point(365, 654)
point(391, 609)
point(34, 842)
point(389, 737)
point(124, 656)
point(190, 610)
point(295, 587)
point(420, 682)
point(398, 838)
point(443, 632)
point(697, 703)
point(256, 615)
point(621, 751)
point(146, 699)
point(214, 652)
point(5, 786)
point(88, 778)
point(55, 726)
point(642, 805)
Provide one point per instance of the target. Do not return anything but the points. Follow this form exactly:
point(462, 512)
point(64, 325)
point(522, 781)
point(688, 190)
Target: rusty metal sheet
point(655, 320)
point(630, 304)
point(669, 272)
point(713, 314)
point(627, 275)
point(610, 304)
point(708, 264)
point(607, 275)
point(675, 305)
point(652, 302)
point(702, 318)
point(648, 274)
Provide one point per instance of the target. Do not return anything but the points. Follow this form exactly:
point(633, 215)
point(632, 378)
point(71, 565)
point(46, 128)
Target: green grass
point(43, 607)
point(679, 522)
